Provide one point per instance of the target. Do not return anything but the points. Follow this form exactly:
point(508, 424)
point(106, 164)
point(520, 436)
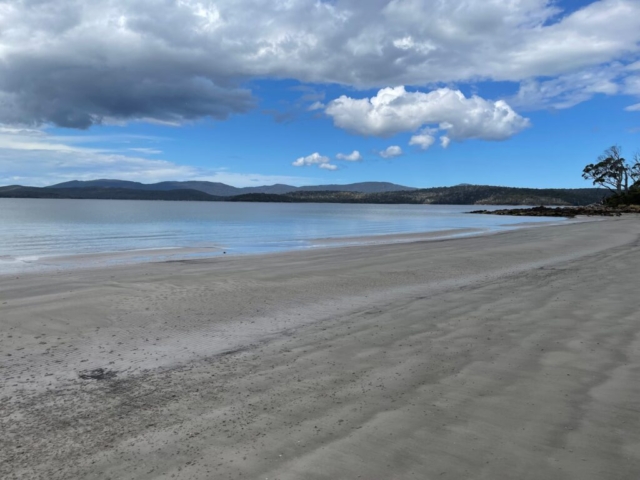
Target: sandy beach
point(507, 356)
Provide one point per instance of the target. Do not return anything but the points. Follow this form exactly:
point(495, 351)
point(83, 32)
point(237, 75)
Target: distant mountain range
point(223, 190)
point(366, 192)
point(102, 193)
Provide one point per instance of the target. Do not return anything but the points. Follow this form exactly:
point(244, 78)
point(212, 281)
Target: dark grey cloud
point(78, 62)
point(35, 89)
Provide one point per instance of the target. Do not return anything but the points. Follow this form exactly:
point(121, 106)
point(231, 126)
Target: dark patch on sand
point(97, 374)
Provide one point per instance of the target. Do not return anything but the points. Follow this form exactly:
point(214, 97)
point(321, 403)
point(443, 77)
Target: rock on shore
point(570, 212)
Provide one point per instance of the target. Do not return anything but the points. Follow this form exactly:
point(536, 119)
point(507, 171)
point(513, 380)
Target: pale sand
point(507, 356)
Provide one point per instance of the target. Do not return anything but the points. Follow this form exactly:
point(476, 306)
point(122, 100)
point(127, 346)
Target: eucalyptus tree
point(612, 170)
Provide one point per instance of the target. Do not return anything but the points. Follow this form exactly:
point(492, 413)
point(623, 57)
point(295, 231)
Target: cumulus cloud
point(395, 110)
point(354, 156)
point(315, 159)
point(328, 166)
point(85, 95)
point(633, 108)
point(445, 141)
point(175, 61)
point(391, 152)
point(424, 139)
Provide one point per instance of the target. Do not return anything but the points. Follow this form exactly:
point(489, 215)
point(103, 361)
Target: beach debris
point(97, 374)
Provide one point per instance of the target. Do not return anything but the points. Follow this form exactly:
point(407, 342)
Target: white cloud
point(315, 159)
point(316, 106)
point(35, 157)
point(391, 152)
point(394, 110)
point(328, 166)
point(569, 90)
point(445, 141)
point(424, 139)
point(633, 108)
point(177, 61)
point(632, 85)
point(354, 156)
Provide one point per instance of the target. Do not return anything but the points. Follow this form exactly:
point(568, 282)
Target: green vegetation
point(458, 195)
point(619, 176)
point(17, 191)
point(632, 197)
point(612, 171)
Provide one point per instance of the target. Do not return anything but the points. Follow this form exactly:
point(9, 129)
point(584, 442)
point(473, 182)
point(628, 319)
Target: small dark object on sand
point(97, 374)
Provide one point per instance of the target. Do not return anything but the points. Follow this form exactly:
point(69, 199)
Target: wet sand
point(514, 355)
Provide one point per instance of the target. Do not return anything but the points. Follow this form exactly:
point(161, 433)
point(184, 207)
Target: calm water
point(37, 233)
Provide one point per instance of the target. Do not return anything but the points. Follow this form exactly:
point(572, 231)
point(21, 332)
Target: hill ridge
point(456, 195)
point(224, 190)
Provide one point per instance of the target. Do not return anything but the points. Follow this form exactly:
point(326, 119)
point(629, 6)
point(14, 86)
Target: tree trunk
point(626, 181)
point(619, 183)
point(619, 177)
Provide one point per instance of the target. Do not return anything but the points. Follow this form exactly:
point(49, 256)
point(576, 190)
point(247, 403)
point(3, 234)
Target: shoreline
point(306, 364)
point(564, 212)
point(47, 264)
point(115, 259)
point(198, 350)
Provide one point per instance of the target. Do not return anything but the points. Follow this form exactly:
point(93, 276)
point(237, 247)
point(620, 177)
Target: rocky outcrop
point(565, 212)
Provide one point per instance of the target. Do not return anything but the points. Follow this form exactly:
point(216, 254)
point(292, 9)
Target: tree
point(612, 171)
point(634, 171)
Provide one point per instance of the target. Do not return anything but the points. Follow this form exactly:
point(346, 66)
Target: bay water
point(37, 234)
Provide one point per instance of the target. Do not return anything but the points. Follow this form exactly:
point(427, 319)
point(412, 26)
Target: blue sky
point(251, 92)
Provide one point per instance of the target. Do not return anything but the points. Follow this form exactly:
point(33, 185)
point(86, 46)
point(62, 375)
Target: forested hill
point(223, 190)
point(17, 191)
point(458, 195)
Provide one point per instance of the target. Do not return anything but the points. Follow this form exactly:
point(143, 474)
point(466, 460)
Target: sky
point(255, 92)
